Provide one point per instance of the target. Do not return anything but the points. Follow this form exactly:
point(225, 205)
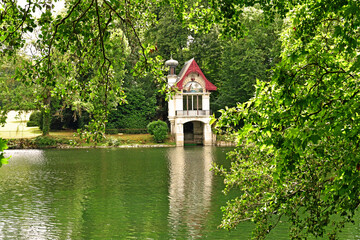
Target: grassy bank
point(15, 126)
point(68, 139)
point(20, 136)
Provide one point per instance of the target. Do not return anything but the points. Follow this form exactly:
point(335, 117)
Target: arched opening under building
point(194, 133)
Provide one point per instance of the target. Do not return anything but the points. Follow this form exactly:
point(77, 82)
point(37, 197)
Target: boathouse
point(189, 110)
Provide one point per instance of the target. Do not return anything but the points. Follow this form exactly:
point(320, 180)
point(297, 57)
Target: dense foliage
point(61, 119)
point(136, 114)
point(159, 130)
point(3, 146)
point(71, 57)
point(298, 152)
point(34, 119)
point(247, 59)
point(14, 95)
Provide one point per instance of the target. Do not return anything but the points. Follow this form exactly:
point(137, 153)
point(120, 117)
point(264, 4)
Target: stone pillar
point(171, 108)
point(206, 102)
point(207, 135)
point(179, 135)
point(171, 115)
point(172, 125)
point(178, 105)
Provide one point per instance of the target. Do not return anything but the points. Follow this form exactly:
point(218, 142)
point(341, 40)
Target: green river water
point(135, 193)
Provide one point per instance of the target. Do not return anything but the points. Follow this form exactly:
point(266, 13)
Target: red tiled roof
point(192, 67)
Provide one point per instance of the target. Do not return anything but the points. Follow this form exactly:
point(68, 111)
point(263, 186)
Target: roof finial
point(171, 62)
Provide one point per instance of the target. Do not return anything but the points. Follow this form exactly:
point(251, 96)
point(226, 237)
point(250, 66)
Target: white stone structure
point(189, 109)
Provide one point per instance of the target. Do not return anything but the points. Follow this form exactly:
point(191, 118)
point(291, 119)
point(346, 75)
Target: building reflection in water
point(190, 190)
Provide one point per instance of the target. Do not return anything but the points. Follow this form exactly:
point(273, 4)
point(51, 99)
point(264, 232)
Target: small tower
point(172, 74)
point(189, 109)
point(171, 77)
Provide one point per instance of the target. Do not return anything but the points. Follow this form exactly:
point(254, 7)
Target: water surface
point(143, 193)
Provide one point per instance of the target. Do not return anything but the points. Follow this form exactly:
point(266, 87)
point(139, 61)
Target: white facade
point(189, 109)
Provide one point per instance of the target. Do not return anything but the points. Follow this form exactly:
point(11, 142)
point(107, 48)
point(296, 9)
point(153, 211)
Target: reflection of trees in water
point(24, 216)
point(190, 189)
point(36, 206)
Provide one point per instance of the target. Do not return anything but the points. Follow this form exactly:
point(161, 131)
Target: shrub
point(112, 142)
point(34, 120)
point(45, 141)
point(159, 130)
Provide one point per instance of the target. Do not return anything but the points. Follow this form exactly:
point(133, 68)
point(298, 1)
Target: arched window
point(192, 87)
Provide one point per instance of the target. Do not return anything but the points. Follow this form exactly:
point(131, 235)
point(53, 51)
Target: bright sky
point(29, 49)
point(58, 6)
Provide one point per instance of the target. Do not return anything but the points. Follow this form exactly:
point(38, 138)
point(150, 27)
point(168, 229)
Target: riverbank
point(20, 136)
point(67, 139)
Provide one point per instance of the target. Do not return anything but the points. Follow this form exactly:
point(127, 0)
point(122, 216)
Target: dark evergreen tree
point(137, 113)
point(247, 59)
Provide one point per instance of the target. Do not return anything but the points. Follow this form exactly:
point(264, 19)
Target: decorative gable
point(190, 68)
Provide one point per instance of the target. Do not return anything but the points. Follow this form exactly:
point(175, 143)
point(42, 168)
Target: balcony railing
point(193, 113)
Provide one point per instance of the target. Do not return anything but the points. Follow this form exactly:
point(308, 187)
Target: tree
point(247, 59)
point(15, 95)
point(81, 36)
point(137, 113)
point(168, 34)
point(297, 156)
